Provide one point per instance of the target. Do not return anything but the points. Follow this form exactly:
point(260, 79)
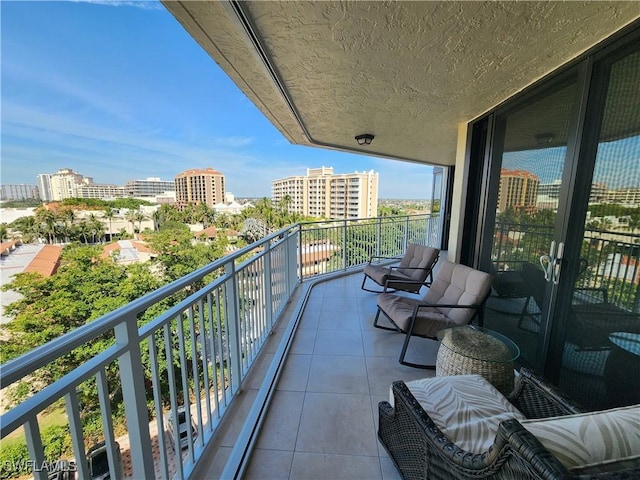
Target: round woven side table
point(467, 349)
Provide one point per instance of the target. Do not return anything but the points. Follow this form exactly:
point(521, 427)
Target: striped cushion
point(584, 441)
point(467, 408)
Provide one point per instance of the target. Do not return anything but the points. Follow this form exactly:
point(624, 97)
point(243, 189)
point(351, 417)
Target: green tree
point(109, 214)
point(84, 288)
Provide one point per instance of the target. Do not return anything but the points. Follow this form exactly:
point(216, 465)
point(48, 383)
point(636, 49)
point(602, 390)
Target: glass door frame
point(486, 132)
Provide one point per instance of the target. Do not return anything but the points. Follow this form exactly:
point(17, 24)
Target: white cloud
point(143, 4)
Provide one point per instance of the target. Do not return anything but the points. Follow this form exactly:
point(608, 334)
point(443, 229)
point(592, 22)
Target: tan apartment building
point(196, 186)
point(324, 194)
point(518, 189)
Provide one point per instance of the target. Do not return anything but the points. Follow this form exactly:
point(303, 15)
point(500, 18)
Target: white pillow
point(589, 439)
point(467, 408)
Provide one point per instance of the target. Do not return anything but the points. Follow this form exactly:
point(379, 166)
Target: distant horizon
point(119, 91)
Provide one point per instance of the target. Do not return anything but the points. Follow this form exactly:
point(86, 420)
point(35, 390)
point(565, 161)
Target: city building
point(102, 191)
point(150, 187)
point(324, 194)
point(199, 186)
point(518, 189)
point(625, 196)
point(65, 182)
point(44, 187)
point(18, 192)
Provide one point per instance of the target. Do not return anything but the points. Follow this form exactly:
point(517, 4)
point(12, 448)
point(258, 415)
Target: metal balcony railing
point(194, 353)
point(609, 260)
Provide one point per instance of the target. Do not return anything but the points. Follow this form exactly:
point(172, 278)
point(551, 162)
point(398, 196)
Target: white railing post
point(291, 246)
point(267, 284)
point(344, 244)
point(233, 326)
point(406, 233)
point(134, 398)
point(300, 257)
point(378, 237)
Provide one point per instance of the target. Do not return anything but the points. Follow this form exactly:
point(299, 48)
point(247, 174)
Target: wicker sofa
point(421, 450)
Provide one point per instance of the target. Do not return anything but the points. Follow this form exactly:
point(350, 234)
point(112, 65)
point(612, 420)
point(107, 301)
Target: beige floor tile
point(303, 342)
point(269, 465)
point(313, 466)
point(338, 374)
point(382, 343)
point(280, 429)
point(337, 423)
point(310, 319)
point(339, 342)
point(382, 371)
point(389, 470)
point(296, 373)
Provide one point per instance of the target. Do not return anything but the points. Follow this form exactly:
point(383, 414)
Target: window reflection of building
point(518, 190)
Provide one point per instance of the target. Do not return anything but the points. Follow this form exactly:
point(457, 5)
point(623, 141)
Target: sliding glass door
point(560, 226)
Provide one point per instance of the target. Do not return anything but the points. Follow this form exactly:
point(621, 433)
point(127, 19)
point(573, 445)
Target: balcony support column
point(134, 396)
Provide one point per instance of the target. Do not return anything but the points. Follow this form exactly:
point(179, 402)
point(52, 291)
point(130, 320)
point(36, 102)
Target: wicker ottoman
point(466, 350)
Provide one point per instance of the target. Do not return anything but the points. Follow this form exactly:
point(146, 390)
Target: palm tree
point(47, 220)
point(96, 227)
point(140, 217)
point(203, 213)
point(27, 226)
point(109, 213)
point(131, 217)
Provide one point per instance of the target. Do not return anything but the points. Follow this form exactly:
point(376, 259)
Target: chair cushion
point(589, 442)
point(379, 274)
point(400, 310)
point(466, 408)
point(457, 284)
point(418, 257)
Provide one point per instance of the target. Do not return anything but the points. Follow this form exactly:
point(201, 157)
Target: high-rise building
point(518, 190)
point(199, 186)
point(150, 187)
point(44, 187)
point(321, 193)
point(19, 192)
point(64, 182)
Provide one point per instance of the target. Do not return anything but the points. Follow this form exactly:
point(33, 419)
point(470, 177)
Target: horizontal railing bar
point(24, 365)
point(14, 418)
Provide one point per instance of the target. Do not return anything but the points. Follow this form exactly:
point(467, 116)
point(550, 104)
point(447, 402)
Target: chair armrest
point(421, 450)
point(537, 398)
point(442, 305)
point(384, 258)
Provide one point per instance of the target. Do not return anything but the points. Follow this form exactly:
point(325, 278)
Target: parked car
point(183, 425)
point(99, 462)
point(62, 470)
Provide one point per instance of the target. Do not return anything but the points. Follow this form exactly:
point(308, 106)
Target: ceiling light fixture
point(545, 138)
point(364, 139)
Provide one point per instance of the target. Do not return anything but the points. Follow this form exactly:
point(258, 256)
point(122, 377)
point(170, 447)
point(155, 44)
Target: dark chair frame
point(398, 279)
point(420, 450)
point(410, 332)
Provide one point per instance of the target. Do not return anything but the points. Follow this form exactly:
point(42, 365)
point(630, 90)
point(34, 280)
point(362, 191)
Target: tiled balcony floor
point(322, 421)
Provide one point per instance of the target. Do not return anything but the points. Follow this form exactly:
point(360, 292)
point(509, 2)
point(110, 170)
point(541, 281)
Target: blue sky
point(119, 91)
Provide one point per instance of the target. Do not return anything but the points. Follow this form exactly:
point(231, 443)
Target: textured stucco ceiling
point(407, 72)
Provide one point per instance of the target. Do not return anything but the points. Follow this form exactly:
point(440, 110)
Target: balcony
point(238, 326)
point(322, 421)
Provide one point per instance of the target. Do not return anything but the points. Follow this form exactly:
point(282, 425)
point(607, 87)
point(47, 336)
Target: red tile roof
point(47, 261)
